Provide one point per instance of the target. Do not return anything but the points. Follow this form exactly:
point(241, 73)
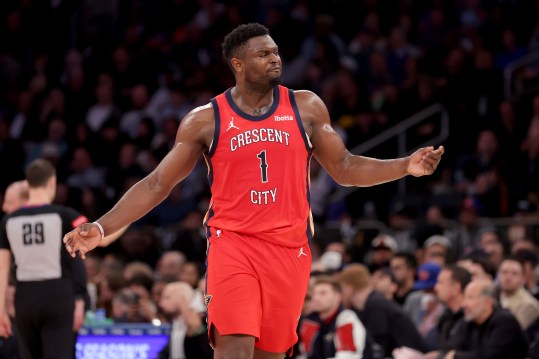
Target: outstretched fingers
point(68, 241)
point(73, 245)
point(431, 159)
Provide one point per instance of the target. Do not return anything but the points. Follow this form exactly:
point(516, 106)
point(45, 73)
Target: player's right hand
point(5, 325)
point(82, 239)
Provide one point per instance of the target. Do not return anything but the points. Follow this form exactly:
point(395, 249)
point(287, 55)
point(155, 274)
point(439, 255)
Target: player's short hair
point(356, 275)
point(239, 36)
point(39, 172)
point(324, 279)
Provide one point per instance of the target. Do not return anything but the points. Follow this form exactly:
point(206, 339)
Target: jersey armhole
point(217, 129)
point(306, 140)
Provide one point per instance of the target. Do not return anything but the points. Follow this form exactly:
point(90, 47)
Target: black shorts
point(44, 319)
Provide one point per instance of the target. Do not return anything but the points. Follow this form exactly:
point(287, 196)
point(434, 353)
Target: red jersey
point(258, 168)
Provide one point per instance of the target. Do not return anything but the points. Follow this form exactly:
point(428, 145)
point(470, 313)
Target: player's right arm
point(194, 136)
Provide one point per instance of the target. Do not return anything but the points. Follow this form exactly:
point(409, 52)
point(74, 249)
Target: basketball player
point(257, 139)
point(50, 286)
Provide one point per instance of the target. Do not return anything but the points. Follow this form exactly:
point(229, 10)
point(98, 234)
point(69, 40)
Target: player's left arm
point(107, 240)
point(353, 170)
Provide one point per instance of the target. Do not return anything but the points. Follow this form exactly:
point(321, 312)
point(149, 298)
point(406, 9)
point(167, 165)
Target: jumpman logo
point(231, 125)
point(301, 252)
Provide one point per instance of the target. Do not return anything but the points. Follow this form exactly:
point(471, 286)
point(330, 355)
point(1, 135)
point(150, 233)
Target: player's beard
point(263, 85)
point(275, 81)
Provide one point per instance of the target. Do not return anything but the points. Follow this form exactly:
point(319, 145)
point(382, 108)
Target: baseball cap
point(437, 239)
point(384, 241)
point(427, 273)
point(331, 260)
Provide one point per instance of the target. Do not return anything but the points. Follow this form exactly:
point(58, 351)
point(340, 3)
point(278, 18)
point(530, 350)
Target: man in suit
point(492, 332)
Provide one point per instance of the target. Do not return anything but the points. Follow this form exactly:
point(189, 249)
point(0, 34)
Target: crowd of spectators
point(99, 88)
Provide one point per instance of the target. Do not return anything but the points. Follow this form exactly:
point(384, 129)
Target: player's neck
point(252, 101)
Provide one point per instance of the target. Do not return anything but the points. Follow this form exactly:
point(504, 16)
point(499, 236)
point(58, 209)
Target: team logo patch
point(423, 275)
point(207, 299)
point(283, 118)
point(231, 125)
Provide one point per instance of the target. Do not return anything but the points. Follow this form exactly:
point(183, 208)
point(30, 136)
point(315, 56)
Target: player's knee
point(233, 353)
point(261, 354)
point(232, 346)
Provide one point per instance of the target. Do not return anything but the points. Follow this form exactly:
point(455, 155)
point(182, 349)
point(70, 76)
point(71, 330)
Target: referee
point(51, 285)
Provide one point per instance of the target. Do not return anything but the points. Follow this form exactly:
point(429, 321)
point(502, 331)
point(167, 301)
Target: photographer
point(130, 307)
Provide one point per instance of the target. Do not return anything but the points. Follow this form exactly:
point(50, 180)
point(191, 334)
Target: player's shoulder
point(306, 96)
point(198, 125)
point(203, 110)
point(311, 107)
point(308, 100)
point(198, 119)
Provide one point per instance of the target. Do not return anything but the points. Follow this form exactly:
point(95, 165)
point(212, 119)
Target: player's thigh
point(283, 288)
point(232, 290)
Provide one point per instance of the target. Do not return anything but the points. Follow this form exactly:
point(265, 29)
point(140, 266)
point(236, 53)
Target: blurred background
point(99, 88)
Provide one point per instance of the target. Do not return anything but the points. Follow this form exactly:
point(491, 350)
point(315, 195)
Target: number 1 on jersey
point(263, 166)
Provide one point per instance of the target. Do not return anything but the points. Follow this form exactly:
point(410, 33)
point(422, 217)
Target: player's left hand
point(424, 161)
point(82, 239)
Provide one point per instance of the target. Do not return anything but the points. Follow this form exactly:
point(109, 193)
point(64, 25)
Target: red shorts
point(256, 288)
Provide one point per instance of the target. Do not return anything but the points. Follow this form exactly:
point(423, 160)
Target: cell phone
point(135, 298)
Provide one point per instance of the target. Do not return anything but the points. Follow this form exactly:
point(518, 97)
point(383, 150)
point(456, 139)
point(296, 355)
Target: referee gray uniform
point(49, 280)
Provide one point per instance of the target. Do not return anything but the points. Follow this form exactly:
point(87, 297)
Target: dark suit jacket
point(388, 325)
point(499, 337)
point(450, 330)
point(195, 347)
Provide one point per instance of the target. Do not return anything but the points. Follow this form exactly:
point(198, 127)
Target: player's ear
point(236, 64)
